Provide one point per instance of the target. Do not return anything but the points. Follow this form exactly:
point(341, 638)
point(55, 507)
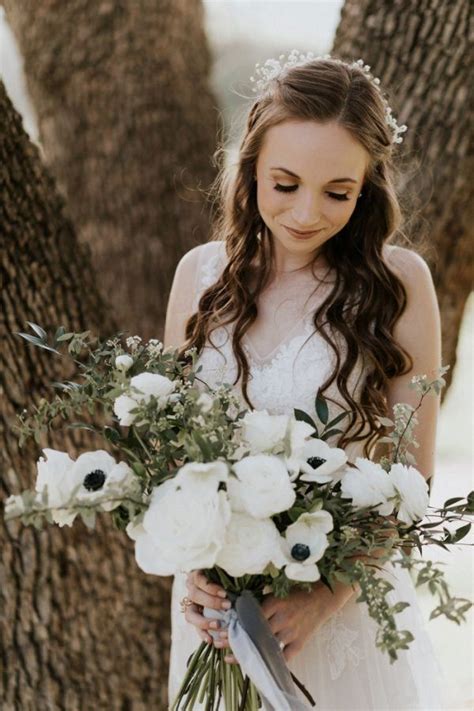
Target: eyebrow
point(293, 175)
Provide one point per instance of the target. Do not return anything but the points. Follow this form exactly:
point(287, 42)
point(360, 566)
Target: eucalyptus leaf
point(38, 330)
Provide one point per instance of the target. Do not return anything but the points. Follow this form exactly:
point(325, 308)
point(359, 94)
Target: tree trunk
point(81, 627)
point(127, 124)
point(420, 51)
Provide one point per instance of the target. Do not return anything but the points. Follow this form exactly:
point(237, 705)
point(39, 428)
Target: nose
point(306, 213)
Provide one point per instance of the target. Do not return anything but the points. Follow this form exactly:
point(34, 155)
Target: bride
point(303, 287)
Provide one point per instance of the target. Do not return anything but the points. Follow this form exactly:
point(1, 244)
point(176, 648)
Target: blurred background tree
point(81, 626)
point(127, 124)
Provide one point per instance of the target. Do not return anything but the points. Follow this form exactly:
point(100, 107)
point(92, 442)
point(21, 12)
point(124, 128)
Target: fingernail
point(214, 625)
point(222, 593)
point(223, 635)
point(226, 605)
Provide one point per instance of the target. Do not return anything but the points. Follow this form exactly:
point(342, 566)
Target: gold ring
point(184, 603)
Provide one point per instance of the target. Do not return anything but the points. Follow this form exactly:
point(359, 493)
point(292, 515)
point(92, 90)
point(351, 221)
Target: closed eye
point(292, 188)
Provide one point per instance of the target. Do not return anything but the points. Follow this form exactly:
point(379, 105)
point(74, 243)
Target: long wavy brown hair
point(367, 298)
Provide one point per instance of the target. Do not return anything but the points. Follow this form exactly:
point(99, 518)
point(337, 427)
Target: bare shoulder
point(199, 254)
point(409, 266)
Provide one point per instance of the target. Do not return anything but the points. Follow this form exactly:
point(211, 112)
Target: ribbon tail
point(260, 657)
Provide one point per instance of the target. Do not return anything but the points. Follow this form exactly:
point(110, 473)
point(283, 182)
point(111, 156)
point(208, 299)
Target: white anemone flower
point(299, 433)
point(304, 543)
point(322, 463)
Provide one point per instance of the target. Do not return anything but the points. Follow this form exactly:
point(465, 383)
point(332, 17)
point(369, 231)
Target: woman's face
point(309, 176)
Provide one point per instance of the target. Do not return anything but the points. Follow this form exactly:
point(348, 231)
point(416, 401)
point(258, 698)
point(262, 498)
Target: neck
point(286, 262)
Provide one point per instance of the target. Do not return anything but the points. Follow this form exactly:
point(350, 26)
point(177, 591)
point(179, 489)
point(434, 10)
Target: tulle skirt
point(340, 665)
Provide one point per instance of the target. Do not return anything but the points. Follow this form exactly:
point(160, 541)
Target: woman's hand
point(295, 618)
point(204, 594)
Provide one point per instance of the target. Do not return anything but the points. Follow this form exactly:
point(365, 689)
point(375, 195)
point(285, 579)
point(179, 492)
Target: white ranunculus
point(412, 489)
point(123, 362)
point(143, 387)
point(325, 463)
point(299, 433)
point(54, 475)
point(250, 545)
point(101, 477)
point(202, 474)
point(304, 543)
point(368, 484)
point(262, 432)
point(262, 487)
point(182, 530)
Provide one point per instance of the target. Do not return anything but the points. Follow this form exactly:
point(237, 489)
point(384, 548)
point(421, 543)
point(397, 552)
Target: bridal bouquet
point(262, 503)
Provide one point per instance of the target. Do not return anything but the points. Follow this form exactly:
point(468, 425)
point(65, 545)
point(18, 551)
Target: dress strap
point(210, 263)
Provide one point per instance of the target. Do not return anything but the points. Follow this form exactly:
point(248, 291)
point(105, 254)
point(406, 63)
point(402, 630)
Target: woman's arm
point(181, 298)
point(418, 330)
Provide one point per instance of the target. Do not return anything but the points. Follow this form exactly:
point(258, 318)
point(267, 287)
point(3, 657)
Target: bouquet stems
point(209, 679)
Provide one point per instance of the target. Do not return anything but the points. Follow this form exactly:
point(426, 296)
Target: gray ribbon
point(257, 651)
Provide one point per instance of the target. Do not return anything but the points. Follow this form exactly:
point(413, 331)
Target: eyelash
point(291, 188)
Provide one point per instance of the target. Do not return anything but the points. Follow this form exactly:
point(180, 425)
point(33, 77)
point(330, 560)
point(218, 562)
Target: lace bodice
point(288, 376)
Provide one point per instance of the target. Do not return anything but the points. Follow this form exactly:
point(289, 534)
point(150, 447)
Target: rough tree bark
point(127, 123)
point(81, 627)
point(421, 52)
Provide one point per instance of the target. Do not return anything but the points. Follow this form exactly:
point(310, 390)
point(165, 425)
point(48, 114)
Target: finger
point(222, 643)
point(230, 659)
point(193, 616)
point(291, 650)
point(202, 582)
point(200, 597)
point(269, 606)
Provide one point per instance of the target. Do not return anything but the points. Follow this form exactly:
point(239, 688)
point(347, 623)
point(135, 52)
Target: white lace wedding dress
point(340, 664)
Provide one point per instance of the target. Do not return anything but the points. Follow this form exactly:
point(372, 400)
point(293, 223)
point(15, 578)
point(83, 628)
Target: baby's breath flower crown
point(272, 68)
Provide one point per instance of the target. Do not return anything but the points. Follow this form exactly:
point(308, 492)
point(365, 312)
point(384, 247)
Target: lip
point(301, 235)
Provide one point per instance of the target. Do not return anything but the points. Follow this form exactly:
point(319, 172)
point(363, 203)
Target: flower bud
point(123, 362)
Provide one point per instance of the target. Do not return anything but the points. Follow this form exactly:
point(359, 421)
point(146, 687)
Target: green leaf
point(452, 501)
point(302, 416)
point(461, 532)
point(330, 433)
point(37, 329)
point(321, 407)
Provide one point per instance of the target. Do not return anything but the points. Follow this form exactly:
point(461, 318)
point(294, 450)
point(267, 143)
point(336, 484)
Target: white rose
point(412, 489)
point(143, 387)
point(123, 362)
point(123, 406)
point(322, 463)
point(250, 545)
point(304, 543)
point(262, 487)
point(202, 473)
point(262, 432)
point(368, 484)
point(182, 529)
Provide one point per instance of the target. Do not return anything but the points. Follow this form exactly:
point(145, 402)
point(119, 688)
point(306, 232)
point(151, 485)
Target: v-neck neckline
point(286, 340)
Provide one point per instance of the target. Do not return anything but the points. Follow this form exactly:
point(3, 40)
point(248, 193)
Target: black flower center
point(300, 551)
point(315, 462)
point(94, 480)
